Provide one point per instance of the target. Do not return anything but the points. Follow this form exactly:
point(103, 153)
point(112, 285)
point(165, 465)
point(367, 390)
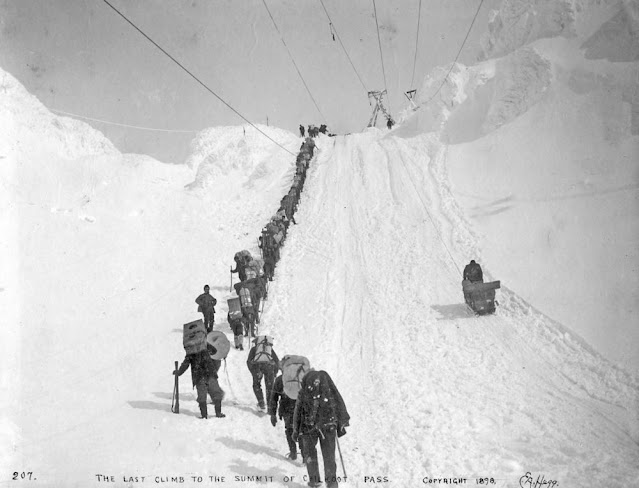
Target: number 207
point(23, 476)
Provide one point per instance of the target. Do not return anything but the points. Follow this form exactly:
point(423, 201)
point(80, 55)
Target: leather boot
point(203, 411)
point(218, 409)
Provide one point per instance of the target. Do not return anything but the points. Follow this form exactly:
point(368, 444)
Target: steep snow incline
point(369, 292)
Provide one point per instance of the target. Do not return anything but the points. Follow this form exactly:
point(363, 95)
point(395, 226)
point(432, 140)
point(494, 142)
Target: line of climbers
point(314, 131)
point(244, 311)
point(307, 400)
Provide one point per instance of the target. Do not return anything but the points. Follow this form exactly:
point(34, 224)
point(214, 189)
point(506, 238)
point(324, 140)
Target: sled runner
point(480, 297)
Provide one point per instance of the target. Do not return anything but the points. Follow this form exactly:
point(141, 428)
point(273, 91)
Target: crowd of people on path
point(314, 131)
point(307, 400)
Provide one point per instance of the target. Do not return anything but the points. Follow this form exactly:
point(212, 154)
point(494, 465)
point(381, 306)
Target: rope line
point(342, 44)
point(419, 15)
point(458, 52)
point(69, 114)
point(379, 41)
point(293, 60)
point(197, 79)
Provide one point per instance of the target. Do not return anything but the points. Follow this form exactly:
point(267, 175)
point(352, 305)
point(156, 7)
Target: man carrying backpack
point(240, 267)
point(262, 362)
point(204, 376)
point(473, 272)
point(285, 412)
point(206, 304)
point(320, 414)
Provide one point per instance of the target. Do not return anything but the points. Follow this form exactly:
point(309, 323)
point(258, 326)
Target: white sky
point(82, 58)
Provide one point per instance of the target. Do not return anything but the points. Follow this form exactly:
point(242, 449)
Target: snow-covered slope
point(544, 144)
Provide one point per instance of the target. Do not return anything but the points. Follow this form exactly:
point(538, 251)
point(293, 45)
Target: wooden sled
point(480, 297)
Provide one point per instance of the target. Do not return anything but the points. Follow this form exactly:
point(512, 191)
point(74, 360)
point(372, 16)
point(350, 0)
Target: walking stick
point(231, 289)
point(339, 449)
point(175, 405)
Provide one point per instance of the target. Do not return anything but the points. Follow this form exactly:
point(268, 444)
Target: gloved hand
point(341, 431)
point(273, 420)
point(295, 435)
point(175, 371)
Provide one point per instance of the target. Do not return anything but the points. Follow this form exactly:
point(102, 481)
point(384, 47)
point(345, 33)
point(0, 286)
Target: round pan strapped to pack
point(220, 342)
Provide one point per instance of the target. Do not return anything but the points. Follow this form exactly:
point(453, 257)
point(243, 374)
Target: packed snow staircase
point(372, 295)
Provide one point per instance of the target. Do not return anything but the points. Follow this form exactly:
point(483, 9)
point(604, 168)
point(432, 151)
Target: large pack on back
point(256, 265)
point(293, 370)
point(263, 349)
point(194, 337)
point(235, 308)
point(245, 297)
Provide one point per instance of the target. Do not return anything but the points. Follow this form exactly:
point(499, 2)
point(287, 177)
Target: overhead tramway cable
point(102, 121)
point(379, 41)
point(293, 60)
point(334, 30)
point(197, 79)
point(458, 52)
point(419, 15)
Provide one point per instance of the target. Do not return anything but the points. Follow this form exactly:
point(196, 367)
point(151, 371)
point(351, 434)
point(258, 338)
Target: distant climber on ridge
point(206, 304)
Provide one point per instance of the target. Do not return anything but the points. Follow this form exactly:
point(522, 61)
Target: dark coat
point(287, 404)
point(241, 269)
point(473, 272)
point(202, 365)
point(319, 405)
point(206, 302)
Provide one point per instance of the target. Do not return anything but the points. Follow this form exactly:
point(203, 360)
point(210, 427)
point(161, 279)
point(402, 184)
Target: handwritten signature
point(527, 481)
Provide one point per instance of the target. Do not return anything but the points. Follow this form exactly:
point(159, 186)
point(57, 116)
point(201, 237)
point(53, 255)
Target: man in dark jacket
point(204, 376)
point(240, 267)
point(285, 412)
point(206, 304)
point(301, 130)
point(262, 365)
point(320, 414)
point(473, 272)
